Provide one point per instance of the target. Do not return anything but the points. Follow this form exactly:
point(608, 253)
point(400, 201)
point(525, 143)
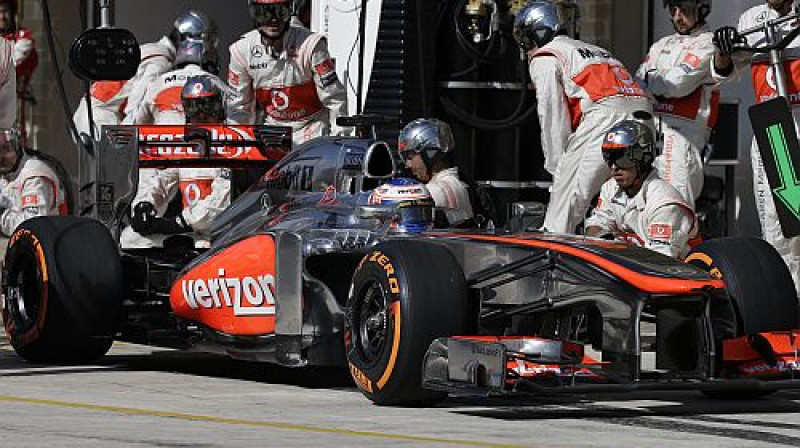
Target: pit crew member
point(112, 101)
point(285, 74)
point(581, 90)
point(26, 59)
point(29, 187)
point(677, 72)
point(727, 66)
point(636, 205)
point(426, 146)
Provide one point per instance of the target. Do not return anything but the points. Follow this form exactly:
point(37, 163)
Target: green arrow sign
point(789, 188)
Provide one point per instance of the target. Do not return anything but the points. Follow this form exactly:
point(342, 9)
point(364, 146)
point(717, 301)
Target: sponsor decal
point(32, 200)
point(324, 67)
point(193, 191)
point(329, 197)
point(231, 291)
point(361, 378)
point(248, 296)
point(233, 79)
point(588, 53)
point(280, 100)
point(175, 134)
point(382, 260)
point(257, 51)
point(660, 232)
point(692, 60)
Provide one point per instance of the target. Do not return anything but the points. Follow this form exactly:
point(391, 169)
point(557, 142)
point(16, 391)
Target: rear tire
point(760, 287)
point(404, 294)
point(63, 286)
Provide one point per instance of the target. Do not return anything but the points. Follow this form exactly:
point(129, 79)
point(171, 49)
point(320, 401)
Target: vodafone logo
point(771, 79)
point(248, 296)
point(623, 75)
point(280, 100)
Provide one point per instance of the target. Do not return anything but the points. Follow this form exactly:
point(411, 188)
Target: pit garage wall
point(727, 13)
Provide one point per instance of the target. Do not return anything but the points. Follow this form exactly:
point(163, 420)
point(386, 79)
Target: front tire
point(759, 286)
point(63, 287)
point(404, 294)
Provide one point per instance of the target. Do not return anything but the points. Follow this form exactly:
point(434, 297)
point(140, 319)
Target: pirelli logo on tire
point(382, 260)
point(361, 378)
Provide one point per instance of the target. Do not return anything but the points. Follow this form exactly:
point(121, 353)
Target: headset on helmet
point(412, 201)
point(628, 144)
point(703, 7)
point(203, 100)
point(428, 137)
point(538, 23)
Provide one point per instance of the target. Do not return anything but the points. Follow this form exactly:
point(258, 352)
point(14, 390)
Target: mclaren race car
point(306, 268)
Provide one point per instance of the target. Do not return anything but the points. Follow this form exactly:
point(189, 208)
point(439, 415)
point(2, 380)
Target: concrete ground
point(139, 396)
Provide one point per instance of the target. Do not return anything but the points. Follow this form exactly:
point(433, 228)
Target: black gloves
point(142, 218)
point(726, 38)
point(145, 222)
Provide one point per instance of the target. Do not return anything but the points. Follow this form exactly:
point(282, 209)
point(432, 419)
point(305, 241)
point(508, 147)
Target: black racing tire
point(760, 287)
point(404, 294)
point(64, 286)
point(756, 279)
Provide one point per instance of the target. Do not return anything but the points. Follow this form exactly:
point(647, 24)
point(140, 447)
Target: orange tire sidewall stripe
point(387, 374)
point(32, 334)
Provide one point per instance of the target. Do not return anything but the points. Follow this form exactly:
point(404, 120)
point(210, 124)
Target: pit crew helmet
point(701, 8)
point(10, 145)
point(429, 137)
point(264, 11)
point(538, 23)
point(203, 100)
point(413, 203)
point(197, 40)
point(628, 144)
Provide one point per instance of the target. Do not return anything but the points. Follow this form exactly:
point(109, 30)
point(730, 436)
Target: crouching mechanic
point(426, 146)
point(285, 74)
point(204, 192)
point(636, 205)
point(28, 185)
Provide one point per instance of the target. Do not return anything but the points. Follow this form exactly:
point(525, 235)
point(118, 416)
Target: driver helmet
point(197, 41)
point(628, 144)
point(700, 8)
point(539, 23)
point(428, 137)
point(413, 202)
point(10, 150)
point(203, 100)
point(264, 11)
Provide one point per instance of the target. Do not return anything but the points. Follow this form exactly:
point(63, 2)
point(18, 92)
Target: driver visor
point(265, 13)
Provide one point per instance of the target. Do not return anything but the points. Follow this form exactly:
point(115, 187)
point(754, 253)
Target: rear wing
point(109, 175)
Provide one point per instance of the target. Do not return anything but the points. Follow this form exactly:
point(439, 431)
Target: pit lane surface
point(139, 396)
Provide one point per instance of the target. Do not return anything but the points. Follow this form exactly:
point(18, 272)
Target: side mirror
point(105, 54)
point(379, 163)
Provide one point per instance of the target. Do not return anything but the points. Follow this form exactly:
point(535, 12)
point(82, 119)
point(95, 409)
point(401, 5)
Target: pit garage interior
point(415, 72)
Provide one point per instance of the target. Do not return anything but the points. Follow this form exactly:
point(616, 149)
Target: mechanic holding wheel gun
point(581, 90)
point(636, 206)
point(190, 94)
point(285, 72)
point(727, 65)
point(677, 71)
point(29, 187)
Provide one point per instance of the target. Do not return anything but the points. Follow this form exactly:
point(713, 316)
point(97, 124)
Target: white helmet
point(197, 41)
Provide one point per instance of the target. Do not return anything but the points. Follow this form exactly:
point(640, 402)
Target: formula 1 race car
point(305, 268)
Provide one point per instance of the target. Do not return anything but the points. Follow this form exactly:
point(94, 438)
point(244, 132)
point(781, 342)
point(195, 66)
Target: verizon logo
point(248, 296)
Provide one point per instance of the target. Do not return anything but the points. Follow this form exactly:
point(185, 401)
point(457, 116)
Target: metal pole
point(362, 32)
point(776, 62)
point(106, 13)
